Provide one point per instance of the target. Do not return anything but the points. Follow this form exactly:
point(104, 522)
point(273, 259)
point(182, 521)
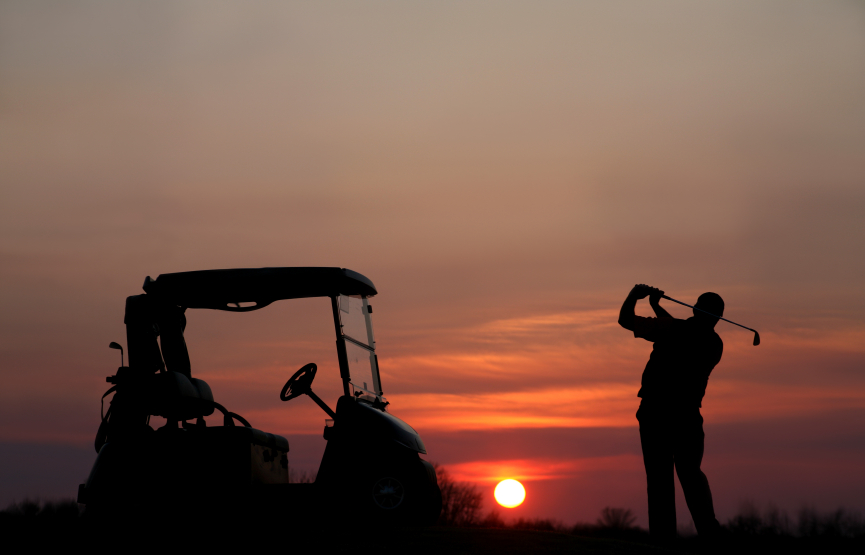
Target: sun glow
point(510, 493)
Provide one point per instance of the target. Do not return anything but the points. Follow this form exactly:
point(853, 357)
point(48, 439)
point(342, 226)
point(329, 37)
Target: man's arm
point(654, 301)
point(626, 314)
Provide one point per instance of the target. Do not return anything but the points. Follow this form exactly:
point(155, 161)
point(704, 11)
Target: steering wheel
point(299, 383)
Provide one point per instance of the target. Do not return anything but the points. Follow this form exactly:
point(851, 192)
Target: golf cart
point(371, 469)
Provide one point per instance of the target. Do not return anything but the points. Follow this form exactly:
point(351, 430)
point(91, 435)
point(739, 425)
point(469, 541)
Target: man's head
point(710, 302)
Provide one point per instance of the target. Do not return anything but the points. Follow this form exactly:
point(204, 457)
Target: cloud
point(604, 405)
point(532, 470)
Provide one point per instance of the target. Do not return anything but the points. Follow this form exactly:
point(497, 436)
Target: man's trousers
point(674, 438)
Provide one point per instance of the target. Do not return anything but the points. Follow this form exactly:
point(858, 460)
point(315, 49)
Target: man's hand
point(655, 300)
point(641, 291)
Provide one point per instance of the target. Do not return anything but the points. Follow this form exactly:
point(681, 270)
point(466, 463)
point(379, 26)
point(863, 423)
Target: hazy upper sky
point(504, 172)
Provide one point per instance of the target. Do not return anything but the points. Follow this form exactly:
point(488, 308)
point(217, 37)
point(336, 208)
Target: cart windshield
point(355, 321)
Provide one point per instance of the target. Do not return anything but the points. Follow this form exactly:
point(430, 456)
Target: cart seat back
point(174, 396)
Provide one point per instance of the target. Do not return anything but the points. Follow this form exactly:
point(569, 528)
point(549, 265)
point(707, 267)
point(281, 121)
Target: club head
point(756, 339)
point(119, 347)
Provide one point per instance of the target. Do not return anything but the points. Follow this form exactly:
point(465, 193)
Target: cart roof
point(217, 289)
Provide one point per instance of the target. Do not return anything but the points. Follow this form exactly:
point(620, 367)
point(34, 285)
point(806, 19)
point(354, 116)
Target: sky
point(504, 172)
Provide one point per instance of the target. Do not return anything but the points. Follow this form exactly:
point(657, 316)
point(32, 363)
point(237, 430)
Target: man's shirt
point(684, 355)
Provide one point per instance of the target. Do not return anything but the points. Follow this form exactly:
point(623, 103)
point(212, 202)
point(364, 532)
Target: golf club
point(756, 335)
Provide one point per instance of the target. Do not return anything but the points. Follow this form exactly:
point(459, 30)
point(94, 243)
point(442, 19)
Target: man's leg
point(695, 485)
point(658, 460)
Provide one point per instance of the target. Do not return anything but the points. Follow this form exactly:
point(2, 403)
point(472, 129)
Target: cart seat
point(176, 397)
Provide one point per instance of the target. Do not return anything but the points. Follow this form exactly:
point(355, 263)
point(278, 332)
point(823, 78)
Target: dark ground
point(422, 541)
point(40, 535)
point(40, 526)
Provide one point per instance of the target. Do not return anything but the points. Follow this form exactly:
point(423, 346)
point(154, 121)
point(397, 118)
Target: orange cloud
point(602, 405)
point(530, 470)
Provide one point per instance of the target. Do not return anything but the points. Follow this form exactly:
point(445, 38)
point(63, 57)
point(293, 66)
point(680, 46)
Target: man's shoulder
point(708, 337)
point(710, 333)
point(654, 329)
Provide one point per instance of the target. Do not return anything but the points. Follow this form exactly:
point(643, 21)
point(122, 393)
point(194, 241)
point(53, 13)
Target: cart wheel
point(388, 493)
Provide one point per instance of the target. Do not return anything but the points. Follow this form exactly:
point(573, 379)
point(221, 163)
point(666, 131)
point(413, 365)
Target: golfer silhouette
point(672, 389)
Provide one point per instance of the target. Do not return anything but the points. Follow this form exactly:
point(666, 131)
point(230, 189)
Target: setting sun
point(510, 493)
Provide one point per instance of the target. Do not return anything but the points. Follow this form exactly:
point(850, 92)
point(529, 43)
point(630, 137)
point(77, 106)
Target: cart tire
point(388, 493)
point(397, 498)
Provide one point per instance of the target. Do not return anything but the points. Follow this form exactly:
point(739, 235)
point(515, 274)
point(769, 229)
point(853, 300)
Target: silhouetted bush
point(65, 509)
point(840, 523)
point(461, 501)
point(542, 524)
point(300, 476)
point(612, 523)
point(615, 518)
point(809, 523)
point(493, 520)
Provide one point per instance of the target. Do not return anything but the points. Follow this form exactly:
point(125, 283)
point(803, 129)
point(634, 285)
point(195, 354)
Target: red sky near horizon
point(503, 172)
